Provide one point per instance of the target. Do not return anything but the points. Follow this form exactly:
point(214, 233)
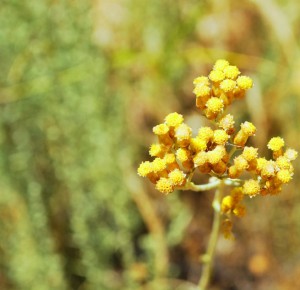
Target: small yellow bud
point(251, 187)
point(174, 119)
point(177, 177)
point(182, 154)
point(228, 85)
point(221, 64)
point(202, 91)
point(244, 82)
point(164, 185)
point(231, 72)
point(183, 134)
point(145, 168)
point(200, 158)
point(284, 163)
point(227, 123)
point(216, 76)
point(159, 164)
point(201, 80)
point(171, 161)
point(248, 128)
point(205, 133)
point(284, 176)
point(240, 163)
point(219, 167)
point(214, 105)
point(261, 162)
point(216, 155)
point(233, 172)
point(269, 169)
point(170, 158)
point(220, 137)
point(227, 204)
point(276, 143)
point(197, 144)
point(161, 129)
point(156, 150)
point(250, 153)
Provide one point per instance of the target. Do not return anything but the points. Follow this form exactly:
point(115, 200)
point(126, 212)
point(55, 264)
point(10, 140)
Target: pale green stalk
point(209, 256)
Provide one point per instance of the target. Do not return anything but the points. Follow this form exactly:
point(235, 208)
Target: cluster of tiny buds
point(223, 85)
point(178, 153)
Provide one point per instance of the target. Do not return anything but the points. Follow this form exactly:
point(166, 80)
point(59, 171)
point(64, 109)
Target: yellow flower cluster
point(223, 85)
point(179, 152)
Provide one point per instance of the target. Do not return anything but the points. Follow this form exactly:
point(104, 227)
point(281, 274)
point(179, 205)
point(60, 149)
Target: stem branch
point(209, 256)
point(200, 187)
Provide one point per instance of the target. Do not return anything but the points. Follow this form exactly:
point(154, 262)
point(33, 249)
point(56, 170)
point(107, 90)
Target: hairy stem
point(209, 256)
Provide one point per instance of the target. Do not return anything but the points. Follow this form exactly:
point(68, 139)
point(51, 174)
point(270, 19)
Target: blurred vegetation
point(81, 85)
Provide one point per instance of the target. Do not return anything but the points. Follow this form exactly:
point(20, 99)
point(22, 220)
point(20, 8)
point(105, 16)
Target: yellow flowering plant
point(220, 152)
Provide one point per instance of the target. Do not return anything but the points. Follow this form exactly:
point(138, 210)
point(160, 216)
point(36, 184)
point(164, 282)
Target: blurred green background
point(81, 85)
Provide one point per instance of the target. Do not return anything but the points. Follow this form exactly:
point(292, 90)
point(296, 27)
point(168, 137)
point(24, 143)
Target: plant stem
point(209, 256)
point(200, 187)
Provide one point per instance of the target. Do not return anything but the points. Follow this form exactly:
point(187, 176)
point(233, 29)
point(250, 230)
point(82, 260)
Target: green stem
point(200, 187)
point(211, 185)
point(209, 256)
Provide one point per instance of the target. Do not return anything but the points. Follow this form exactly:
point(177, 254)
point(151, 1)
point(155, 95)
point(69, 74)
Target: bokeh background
point(82, 83)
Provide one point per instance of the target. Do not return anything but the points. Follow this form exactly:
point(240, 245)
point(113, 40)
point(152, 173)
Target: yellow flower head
point(250, 153)
point(240, 163)
point(220, 137)
point(182, 154)
point(155, 150)
point(200, 158)
point(214, 105)
point(205, 133)
point(269, 169)
point(183, 132)
point(216, 155)
point(248, 128)
point(261, 162)
point(283, 163)
point(174, 119)
point(276, 143)
point(201, 80)
point(284, 175)
point(221, 64)
point(227, 123)
point(244, 82)
point(228, 85)
point(216, 76)
point(145, 168)
point(164, 185)
point(161, 129)
point(170, 158)
point(251, 187)
point(202, 90)
point(159, 164)
point(177, 177)
point(198, 144)
point(231, 72)
point(291, 154)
